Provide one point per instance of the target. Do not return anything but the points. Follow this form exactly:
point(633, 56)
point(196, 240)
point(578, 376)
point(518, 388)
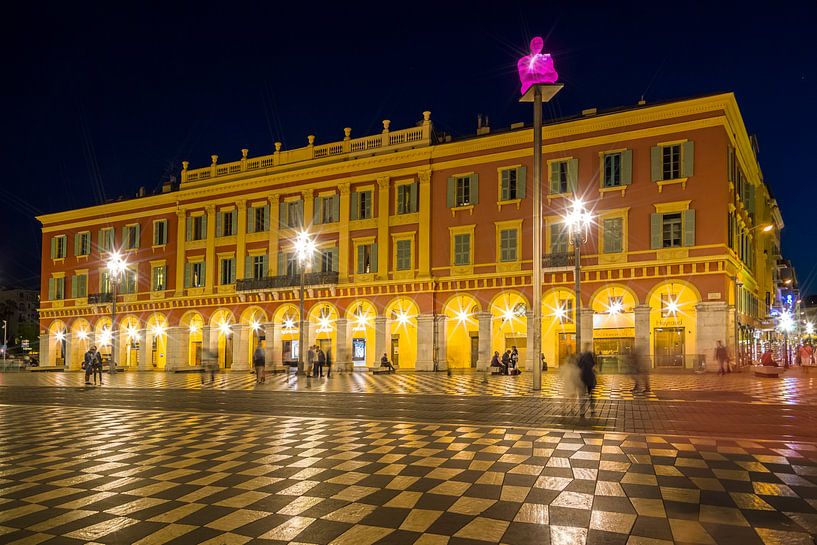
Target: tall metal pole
point(301, 367)
point(5, 341)
point(577, 275)
point(114, 335)
point(536, 282)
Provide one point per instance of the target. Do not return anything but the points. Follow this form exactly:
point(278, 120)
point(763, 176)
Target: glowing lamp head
point(105, 337)
point(671, 306)
point(289, 324)
point(462, 316)
point(536, 67)
point(158, 330)
point(193, 328)
point(224, 328)
point(767, 228)
point(60, 336)
point(560, 313)
point(255, 325)
point(304, 247)
point(116, 264)
point(809, 328)
point(82, 335)
point(132, 332)
point(616, 308)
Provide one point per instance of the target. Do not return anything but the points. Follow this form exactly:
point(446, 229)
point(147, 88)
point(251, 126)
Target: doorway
point(669, 346)
point(196, 354)
point(567, 346)
point(325, 345)
point(474, 350)
point(227, 353)
point(395, 350)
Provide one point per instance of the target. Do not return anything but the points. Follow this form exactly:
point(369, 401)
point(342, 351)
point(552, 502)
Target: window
point(104, 281)
point(293, 266)
point(669, 305)
point(128, 284)
point(106, 242)
point(558, 239)
point(671, 161)
point(403, 251)
point(565, 312)
point(361, 205)
point(406, 198)
point(227, 272)
point(366, 258)
point(194, 276)
point(463, 196)
point(159, 232)
point(56, 288)
point(292, 214)
point(158, 281)
point(512, 184)
point(259, 266)
point(559, 177)
point(508, 245)
point(671, 228)
point(462, 249)
point(226, 223)
point(258, 219)
point(79, 285)
point(130, 237)
point(196, 227)
point(327, 260)
point(58, 244)
point(612, 170)
point(463, 190)
point(613, 235)
point(82, 244)
point(327, 209)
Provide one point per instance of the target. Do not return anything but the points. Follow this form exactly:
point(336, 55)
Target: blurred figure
point(384, 362)
point(767, 359)
point(495, 361)
point(544, 361)
point(328, 362)
point(210, 361)
point(506, 362)
point(640, 368)
point(259, 361)
point(571, 383)
point(310, 361)
point(722, 356)
point(587, 373)
point(320, 360)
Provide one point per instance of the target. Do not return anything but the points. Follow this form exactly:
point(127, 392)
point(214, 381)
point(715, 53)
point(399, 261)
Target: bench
point(767, 371)
point(380, 370)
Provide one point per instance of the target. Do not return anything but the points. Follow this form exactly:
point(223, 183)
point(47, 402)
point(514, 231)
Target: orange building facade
point(424, 249)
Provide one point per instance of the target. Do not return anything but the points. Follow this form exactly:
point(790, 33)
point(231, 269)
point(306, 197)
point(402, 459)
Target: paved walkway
point(74, 475)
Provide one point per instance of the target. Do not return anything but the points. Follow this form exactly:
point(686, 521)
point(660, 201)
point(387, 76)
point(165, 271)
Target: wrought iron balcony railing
point(98, 298)
point(559, 260)
point(286, 281)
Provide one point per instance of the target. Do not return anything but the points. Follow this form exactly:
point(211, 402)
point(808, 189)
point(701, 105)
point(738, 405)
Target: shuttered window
point(512, 184)
point(508, 245)
point(558, 239)
point(462, 249)
point(463, 190)
point(106, 240)
point(672, 161)
point(613, 234)
point(361, 205)
point(403, 254)
point(366, 258)
point(58, 244)
point(257, 219)
point(158, 278)
point(131, 236)
point(79, 286)
point(406, 198)
point(226, 223)
point(82, 244)
point(56, 289)
point(326, 209)
point(672, 230)
point(564, 176)
point(227, 272)
point(160, 232)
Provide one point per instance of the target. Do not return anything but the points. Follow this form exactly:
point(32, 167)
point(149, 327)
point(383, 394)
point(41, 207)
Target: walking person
point(259, 361)
point(722, 357)
point(328, 362)
point(321, 359)
point(89, 362)
point(210, 365)
point(587, 361)
point(310, 360)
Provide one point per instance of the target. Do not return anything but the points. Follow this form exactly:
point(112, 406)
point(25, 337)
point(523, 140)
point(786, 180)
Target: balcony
point(279, 282)
point(99, 298)
point(559, 261)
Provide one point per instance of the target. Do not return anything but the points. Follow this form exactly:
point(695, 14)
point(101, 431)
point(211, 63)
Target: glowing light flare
point(158, 330)
point(615, 308)
point(304, 246)
point(671, 306)
point(786, 322)
point(132, 332)
point(116, 264)
point(767, 228)
point(559, 312)
point(362, 320)
point(224, 328)
point(255, 325)
point(288, 325)
point(82, 335)
point(193, 328)
point(536, 67)
point(809, 328)
point(60, 336)
point(105, 337)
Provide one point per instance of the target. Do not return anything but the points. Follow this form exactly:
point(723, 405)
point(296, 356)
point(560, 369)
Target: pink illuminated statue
point(536, 67)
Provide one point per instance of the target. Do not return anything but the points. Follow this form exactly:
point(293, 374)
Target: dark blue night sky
point(99, 100)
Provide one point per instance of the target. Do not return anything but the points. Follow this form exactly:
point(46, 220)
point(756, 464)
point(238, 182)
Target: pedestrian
point(384, 362)
point(587, 361)
point(544, 361)
point(310, 361)
point(321, 359)
point(495, 362)
point(506, 362)
point(572, 385)
point(640, 368)
point(722, 357)
point(767, 359)
point(259, 361)
point(328, 362)
point(210, 361)
point(89, 364)
point(514, 357)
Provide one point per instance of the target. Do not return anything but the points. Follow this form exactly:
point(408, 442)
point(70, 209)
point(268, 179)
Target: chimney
point(641, 101)
point(590, 112)
point(518, 125)
point(482, 125)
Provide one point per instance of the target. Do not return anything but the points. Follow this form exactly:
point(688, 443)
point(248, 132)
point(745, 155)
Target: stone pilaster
point(712, 325)
point(379, 339)
point(176, 343)
point(272, 350)
point(68, 354)
point(143, 361)
point(383, 230)
point(485, 338)
point(530, 362)
point(425, 343)
point(241, 348)
point(342, 361)
point(587, 328)
point(45, 350)
point(643, 346)
point(441, 350)
point(207, 351)
point(210, 250)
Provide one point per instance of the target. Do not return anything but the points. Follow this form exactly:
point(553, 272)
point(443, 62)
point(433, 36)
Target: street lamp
point(116, 267)
point(786, 325)
point(538, 77)
point(304, 247)
point(578, 220)
point(5, 341)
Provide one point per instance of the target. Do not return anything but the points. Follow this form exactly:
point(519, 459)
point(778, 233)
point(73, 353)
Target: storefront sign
point(359, 349)
point(614, 333)
point(670, 322)
point(713, 295)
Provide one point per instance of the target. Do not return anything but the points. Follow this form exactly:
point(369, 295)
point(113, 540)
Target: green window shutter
point(204, 220)
point(282, 264)
point(354, 208)
point(53, 247)
point(361, 261)
point(266, 226)
point(373, 258)
point(248, 266)
point(77, 244)
point(656, 234)
point(299, 208)
point(474, 189)
point(316, 211)
point(203, 278)
point(189, 228)
point(607, 236)
point(573, 176)
point(138, 236)
point(73, 287)
point(154, 278)
point(282, 215)
point(689, 227)
point(50, 289)
point(367, 212)
point(521, 182)
point(231, 276)
point(730, 163)
point(265, 265)
point(251, 220)
point(656, 166)
point(84, 286)
point(99, 242)
point(219, 224)
point(317, 258)
point(627, 167)
point(689, 159)
point(187, 275)
point(554, 178)
point(336, 207)
point(413, 197)
point(451, 194)
point(334, 259)
point(234, 230)
point(504, 185)
point(124, 236)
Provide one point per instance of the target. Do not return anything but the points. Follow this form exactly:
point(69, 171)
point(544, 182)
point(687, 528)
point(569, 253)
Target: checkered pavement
point(81, 475)
point(795, 387)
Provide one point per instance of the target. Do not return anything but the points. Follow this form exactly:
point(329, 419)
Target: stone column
point(272, 350)
point(383, 230)
point(67, 350)
point(206, 348)
point(712, 326)
point(442, 343)
point(485, 338)
point(425, 343)
point(45, 351)
point(175, 357)
point(379, 339)
point(529, 355)
point(643, 346)
point(341, 359)
point(143, 361)
point(241, 347)
point(587, 328)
